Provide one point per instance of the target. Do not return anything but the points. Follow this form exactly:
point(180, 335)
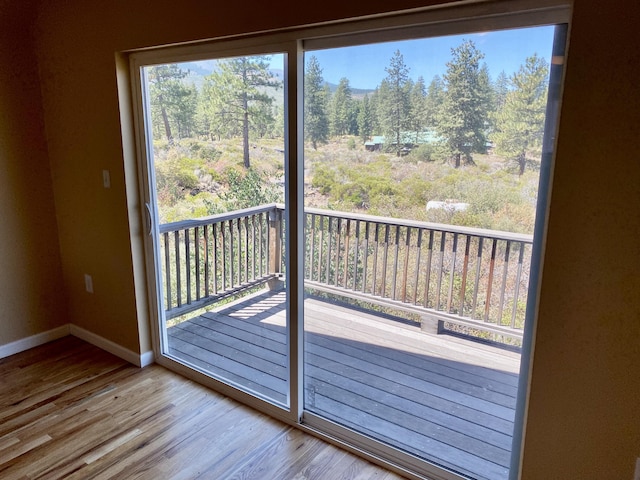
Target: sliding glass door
point(215, 130)
point(344, 225)
point(422, 167)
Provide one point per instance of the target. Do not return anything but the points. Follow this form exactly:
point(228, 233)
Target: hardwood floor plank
point(73, 419)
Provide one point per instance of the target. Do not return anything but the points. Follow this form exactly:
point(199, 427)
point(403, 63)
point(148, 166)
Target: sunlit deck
point(443, 397)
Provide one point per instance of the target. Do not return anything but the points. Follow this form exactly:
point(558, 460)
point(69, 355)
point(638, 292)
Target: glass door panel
point(422, 162)
point(217, 162)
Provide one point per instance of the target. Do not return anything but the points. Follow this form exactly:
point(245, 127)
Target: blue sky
point(364, 66)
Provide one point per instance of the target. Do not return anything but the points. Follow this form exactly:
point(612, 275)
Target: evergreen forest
point(467, 143)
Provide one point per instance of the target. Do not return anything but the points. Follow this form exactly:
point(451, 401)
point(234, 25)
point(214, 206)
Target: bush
point(423, 153)
point(204, 150)
point(324, 179)
point(175, 178)
point(250, 189)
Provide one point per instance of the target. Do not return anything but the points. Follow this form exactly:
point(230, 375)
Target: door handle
point(149, 220)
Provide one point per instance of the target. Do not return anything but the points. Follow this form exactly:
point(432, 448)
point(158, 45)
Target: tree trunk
point(457, 160)
point(165, 120)
point(522, 162)
point(245, 131)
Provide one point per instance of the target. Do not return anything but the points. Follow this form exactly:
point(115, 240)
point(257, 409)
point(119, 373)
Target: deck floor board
point(447, 399)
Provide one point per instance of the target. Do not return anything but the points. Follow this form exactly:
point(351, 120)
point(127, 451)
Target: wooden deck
point(443, 398)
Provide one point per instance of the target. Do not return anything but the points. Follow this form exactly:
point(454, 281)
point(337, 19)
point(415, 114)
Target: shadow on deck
point(443, 398)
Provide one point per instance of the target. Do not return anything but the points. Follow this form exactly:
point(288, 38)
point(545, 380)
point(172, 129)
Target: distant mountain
point(199, 70)
point(355, 92)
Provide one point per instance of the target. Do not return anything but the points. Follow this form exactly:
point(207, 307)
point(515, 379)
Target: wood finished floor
point(69, 410)
point(443, 398)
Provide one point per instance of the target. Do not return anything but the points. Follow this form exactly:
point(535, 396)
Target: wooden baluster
point(207, 266)
point(346, 253)
point(231, 257)
point(336, 267)
point(505, 270)
point(196, 246)
point(396, 251)
point(275, 244)
point(312, 239)
point(416, 276)
point(253, 247)
point(214, 255)
point(356, 255)
point(167, 268)
point(246, 248)
point(176, 246)
point(320, 245)
point(452, 272)
point(443, 240)
point(223, 253)
point(261, 228)
point(375, 258)
point(365, 261)
point(465, 267)
point(492, 263)
point(477, 279)
point(427, 280)
point(329, 238)
point(281, 262)
point(187, 263)
point(405, 272)
point(239, 250)
point(385, 255)
point(514, 311)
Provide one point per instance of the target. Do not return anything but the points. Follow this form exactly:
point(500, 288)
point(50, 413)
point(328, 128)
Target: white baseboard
point(111, 347)
point(147, 358)
point(33, 341)
point(141, 360)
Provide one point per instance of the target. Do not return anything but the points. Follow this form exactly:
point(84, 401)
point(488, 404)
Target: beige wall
point(584, 416)
point(31, 293)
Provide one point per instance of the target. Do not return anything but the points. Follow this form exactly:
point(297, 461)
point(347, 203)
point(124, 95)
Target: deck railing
point(468, 277)
point(207, 259)
point(465, 276)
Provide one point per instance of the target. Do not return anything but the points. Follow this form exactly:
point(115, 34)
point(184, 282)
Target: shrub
point(423, 153)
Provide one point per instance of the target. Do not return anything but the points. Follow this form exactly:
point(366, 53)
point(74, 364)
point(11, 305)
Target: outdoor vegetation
point(465, 138)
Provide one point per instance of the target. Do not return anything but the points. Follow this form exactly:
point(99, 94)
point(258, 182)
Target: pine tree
point(519, 124)
point(462, 120)
point(393, 102)
point(500, 89)
point(434, 100)
point(365, 124)
point(418, 118)
point(341, 109)
point(316, 124)
point(235, 92)
point(172, 102)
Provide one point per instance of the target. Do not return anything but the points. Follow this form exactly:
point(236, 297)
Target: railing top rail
point(199, 222)
point(439, 227)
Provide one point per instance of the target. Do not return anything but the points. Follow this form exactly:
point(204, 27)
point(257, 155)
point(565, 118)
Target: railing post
point(275, 246)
